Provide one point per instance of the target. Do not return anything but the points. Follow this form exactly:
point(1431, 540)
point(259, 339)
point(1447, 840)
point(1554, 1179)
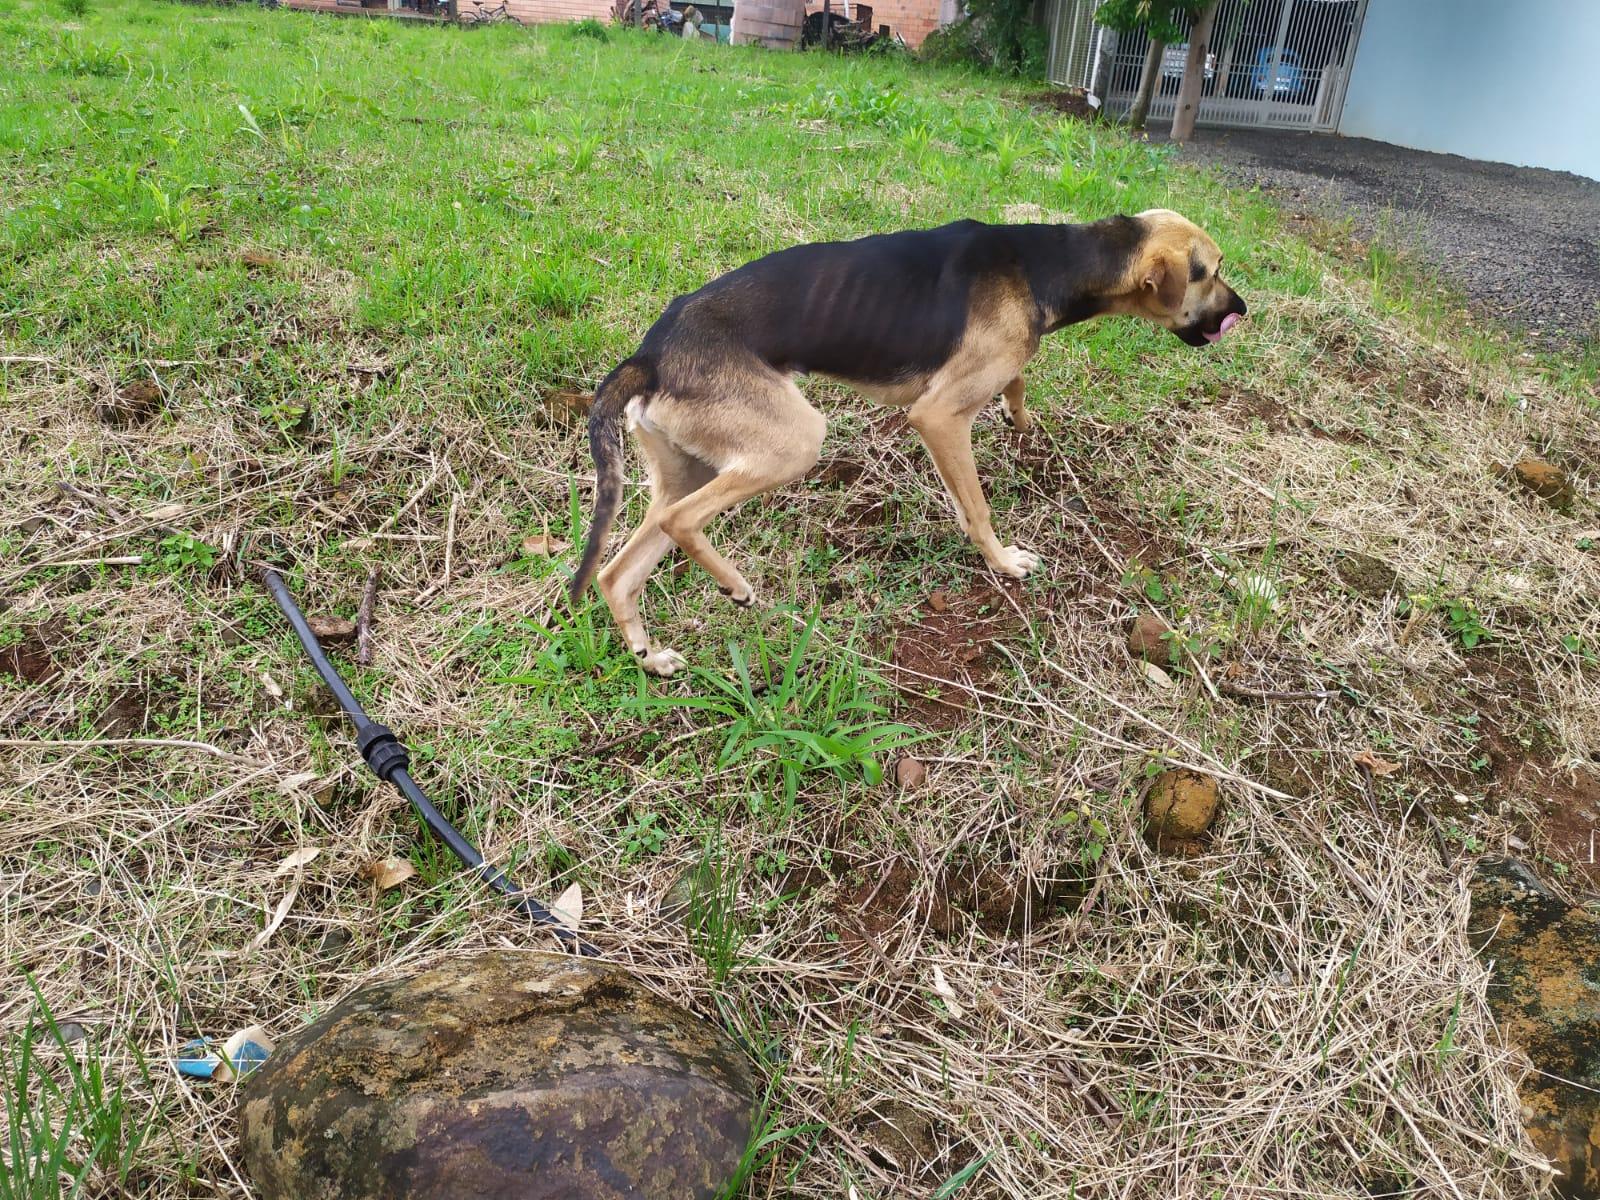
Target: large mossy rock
point(503, 1075)
point(1545, 994)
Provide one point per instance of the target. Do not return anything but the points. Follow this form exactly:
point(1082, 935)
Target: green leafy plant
point(715, 920)
point(1465, 623)
point(184, 553)
point(788, 721)
point(643, 835)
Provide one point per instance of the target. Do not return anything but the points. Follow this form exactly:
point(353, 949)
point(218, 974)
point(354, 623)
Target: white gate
point(1279, 63)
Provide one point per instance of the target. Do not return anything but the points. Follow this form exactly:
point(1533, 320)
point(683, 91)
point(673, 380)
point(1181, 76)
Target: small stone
point(499, 1076)
point(939, 601)
point(332, 631)
point(910, 773)
point(1546, 481)
point(1181, 804)
point(1150, 638)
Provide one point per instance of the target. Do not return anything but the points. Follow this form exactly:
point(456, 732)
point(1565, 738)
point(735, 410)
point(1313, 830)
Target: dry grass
point(1288, 1009)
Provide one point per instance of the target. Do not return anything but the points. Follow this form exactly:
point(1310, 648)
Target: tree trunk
point(1194, 75)
point(1147, 83)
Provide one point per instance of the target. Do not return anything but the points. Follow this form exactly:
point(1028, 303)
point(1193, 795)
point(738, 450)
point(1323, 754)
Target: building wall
point(1515, 83)
point(911, 19)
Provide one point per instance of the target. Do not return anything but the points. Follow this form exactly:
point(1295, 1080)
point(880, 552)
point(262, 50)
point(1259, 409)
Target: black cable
point(386, 756)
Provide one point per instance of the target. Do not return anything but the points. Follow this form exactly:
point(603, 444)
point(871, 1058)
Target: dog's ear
point(1166, 276)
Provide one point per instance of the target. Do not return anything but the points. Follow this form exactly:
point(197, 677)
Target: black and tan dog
point(936, 321)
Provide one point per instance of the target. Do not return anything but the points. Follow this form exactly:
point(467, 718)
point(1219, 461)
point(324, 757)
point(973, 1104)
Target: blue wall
point(1490, 79)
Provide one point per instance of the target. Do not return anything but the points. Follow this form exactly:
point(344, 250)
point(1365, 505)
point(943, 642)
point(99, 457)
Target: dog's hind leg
point(673, 475)
point(944, 419)
point(762, 444)
point(1015, 414)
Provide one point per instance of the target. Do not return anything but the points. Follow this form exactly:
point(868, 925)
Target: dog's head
point(1176, 281)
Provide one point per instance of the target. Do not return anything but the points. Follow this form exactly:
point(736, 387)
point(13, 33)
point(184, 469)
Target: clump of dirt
point(947, 653)
point(1069, 102)
point(567, 406)
point(1180, 805)
point(837, 472)
point(899, 1137)
point(132, 404)
point(134, 710)
point(1542, 479)
point(875, 900)
point(28, 660)
point(1005, 899)
point(332, 630)
point(1366, 575)
point(1150, 638)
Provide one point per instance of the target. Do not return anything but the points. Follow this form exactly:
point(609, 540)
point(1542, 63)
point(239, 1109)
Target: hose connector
point(384, 753)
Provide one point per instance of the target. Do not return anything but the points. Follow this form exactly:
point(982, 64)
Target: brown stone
point(910, 773)
point(498, 1076)
point(1180, 804)
point(1546, 481)
point(1545, 996)
point(332, 631)
point(1150, 638)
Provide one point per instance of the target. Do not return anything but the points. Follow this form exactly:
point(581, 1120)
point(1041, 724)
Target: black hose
point(386, 756)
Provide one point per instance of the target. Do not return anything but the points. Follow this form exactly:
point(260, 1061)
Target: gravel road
point(1522, 244)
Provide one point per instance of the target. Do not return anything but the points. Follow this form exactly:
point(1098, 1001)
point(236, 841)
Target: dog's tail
point(632, 378)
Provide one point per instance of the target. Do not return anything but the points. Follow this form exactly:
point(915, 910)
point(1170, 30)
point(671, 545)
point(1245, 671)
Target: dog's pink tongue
point(1228, 322)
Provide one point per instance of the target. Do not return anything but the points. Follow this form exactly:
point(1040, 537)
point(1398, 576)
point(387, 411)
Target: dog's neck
point(1077, 272)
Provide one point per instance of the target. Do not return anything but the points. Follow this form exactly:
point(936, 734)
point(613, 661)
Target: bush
point(999, 35)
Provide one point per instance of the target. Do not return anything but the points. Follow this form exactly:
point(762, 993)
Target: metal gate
point(1279, 63)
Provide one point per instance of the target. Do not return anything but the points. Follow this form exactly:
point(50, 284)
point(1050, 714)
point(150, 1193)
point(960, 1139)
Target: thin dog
point(935, 321)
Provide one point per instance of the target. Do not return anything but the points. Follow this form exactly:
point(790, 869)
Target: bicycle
point(497, 15)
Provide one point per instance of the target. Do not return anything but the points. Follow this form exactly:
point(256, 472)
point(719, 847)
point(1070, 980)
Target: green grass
point(361, 266)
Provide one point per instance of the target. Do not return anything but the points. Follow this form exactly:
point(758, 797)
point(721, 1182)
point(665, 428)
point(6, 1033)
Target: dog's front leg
point(944, 419)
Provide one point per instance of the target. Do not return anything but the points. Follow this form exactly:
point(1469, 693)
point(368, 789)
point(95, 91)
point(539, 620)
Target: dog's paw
point(745, 600)
point(663, 663)
point(1022, 421)
point(1016, 562)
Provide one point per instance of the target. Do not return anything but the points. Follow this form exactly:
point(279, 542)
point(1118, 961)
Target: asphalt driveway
point(1522, 244)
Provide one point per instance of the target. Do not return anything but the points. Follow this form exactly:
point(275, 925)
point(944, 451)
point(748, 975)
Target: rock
point(1544, 480)
point(1180, 804)
point(1546, 999)
point(1150, 638)
point(332, 631)
point(1367, 576)
point(503, 1075)
point(910, 773)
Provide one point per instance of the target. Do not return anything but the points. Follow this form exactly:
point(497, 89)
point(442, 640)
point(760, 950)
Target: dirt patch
point(1069, 102)
point(876, 900)
point(28, 660)
point(1366, 575)
point(949, 652)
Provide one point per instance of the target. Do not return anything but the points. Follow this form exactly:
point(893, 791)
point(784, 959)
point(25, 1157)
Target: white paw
point(1016, 562)
point(662, 662)
point(745, 599)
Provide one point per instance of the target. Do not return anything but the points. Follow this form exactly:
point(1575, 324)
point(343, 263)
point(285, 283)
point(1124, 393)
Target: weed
point(72, 1136)
point(715, 920)
point(183, 553)
point(792, 719)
